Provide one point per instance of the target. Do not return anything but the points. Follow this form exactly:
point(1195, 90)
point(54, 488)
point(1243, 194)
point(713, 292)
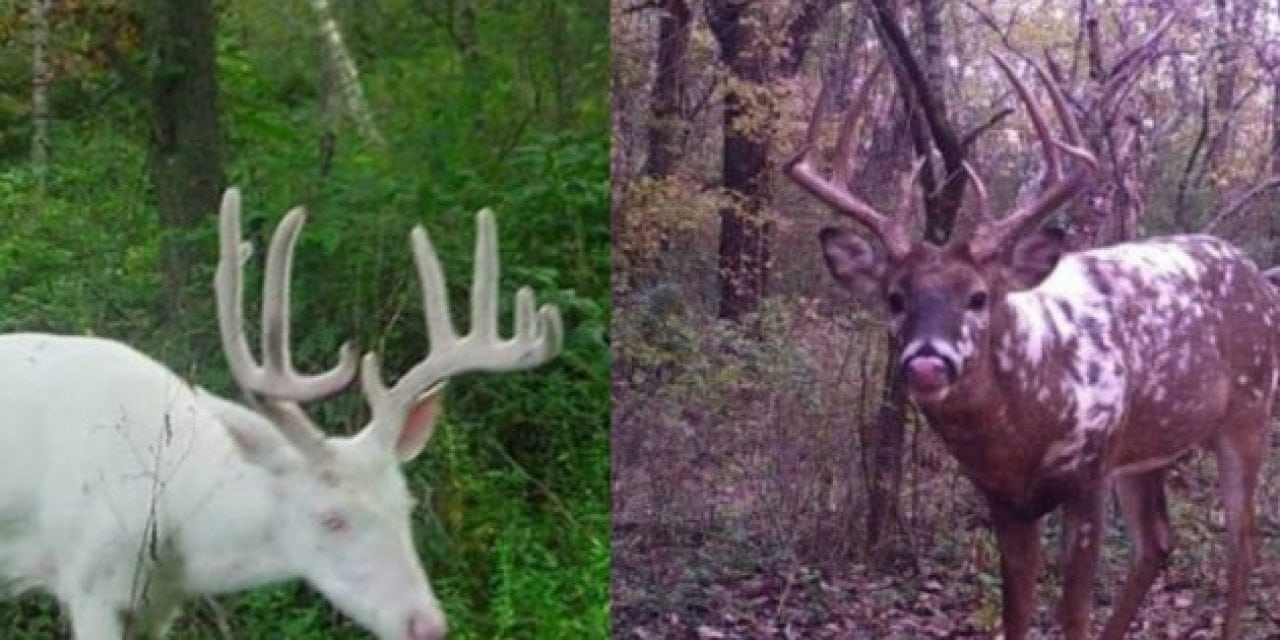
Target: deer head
point(940, 300)
point(343, 506)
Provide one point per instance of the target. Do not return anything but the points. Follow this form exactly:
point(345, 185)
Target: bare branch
point(1231, 210)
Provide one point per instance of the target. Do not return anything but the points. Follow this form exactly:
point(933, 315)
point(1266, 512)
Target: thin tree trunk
point(744, 249)
point(554, 27)
point(921, 84)
point(1234, 22)
point(186, 155)
point(329, 110)
point(1274, 230)
point(40, 93)
point(347, 75)
point(668, 88)
point(468, 40)
point(744, 233)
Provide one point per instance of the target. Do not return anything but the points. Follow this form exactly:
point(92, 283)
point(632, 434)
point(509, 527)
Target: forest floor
point(680, 587)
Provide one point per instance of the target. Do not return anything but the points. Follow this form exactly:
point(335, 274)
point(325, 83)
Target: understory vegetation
point(513, 522)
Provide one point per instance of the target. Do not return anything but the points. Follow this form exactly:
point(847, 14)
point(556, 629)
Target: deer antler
point(537, 338)
point(991, 235)
point(277, 386)
point(894, 232)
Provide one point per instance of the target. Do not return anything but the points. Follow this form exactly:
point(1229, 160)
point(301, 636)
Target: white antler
point(537, 337)
point(276, 384)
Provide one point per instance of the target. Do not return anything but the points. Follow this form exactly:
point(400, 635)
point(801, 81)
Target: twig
point(972, 135)
point(1232, 209)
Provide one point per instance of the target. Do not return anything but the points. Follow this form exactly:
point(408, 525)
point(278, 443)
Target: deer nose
point(426, 627)
point(927, 374)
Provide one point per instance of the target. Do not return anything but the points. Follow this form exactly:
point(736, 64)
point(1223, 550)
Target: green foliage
point(514, 528)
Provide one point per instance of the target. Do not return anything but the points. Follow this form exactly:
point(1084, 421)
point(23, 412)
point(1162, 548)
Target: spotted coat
point(1168, 336)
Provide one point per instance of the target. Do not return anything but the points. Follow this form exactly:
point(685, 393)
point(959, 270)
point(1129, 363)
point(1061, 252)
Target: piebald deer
point(1054, 377)
point(124, 489)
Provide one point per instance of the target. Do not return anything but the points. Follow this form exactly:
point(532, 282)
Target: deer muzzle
point(929, 375)
point(424, 626)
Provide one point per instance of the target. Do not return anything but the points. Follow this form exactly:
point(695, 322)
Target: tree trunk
point(347, 75)
point(1234, 23)
point(744, 234)
point(921, 84)
point(744, 229)
point(185, 154)
point(40, 93)
point(329, 111)
point(744, 250)
point(668, 88)
point(1274, 230)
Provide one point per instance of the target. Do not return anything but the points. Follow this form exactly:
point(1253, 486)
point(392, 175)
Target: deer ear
point(1032, 258)
point(419, 423)
point(259, 442)
point(856, 263)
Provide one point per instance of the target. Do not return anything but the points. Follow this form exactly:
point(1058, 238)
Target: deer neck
point(231, 541)
point(998, 436)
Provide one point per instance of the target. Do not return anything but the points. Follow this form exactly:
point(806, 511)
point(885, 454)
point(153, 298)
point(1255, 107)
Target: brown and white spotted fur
point(1054, 378)
point(1118, 362)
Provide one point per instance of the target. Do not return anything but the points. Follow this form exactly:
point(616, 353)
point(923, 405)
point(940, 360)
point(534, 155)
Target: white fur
point(123, 490)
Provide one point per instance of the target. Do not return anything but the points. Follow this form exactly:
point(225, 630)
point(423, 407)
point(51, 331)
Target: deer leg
point(1081, 542)
point(1019, 540)
point(1146, 516)
point(1239, 458)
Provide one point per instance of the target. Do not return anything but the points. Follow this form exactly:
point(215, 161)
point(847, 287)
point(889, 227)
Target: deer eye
point(978, 301)
point(897, 302)
point(334, 522)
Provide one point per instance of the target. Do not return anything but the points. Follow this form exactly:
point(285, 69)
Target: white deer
point(125, 490)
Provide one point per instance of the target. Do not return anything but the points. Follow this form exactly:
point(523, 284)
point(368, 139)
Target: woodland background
point(121, 121)
point(769, 479)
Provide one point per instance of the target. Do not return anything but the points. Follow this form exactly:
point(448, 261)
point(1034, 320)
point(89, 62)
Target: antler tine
point(842, 163)
point(980, 194)
point(538, 333)
point(1052, 163)
point(835, 190)
point(281, 380)
point(280, 386)
point(227, 283)
point(992, 235)
point(907, 209)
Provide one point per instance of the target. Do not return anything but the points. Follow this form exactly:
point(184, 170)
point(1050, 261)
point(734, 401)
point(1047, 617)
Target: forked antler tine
point(277, 379)
point(806, 175)
point(1080, 153)
point(842, 162)
point(435, 297)
point(991, 236)
point(1069, 124)
point(484, 280)
point(980, 194)
point(233, 254)
point(285, 382)
point(907, 209)
point(1052, 164)
point(537, 335)
point(835, 191)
